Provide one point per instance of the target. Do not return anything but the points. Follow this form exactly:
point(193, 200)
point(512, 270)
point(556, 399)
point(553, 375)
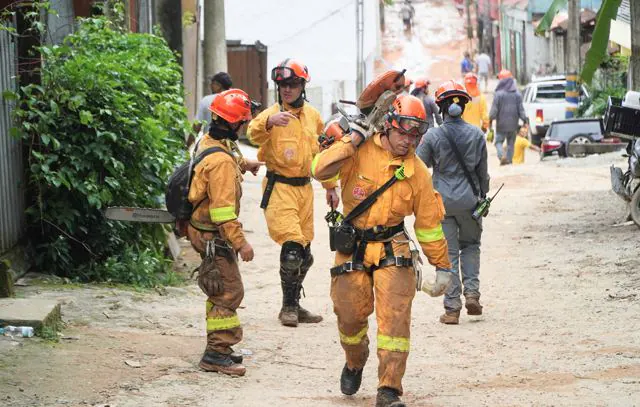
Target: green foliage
point(600, 40)
point(547, 19)
point(104, 128)
point(610, 80)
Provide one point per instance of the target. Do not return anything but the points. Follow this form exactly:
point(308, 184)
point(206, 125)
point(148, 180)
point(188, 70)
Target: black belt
point(272, 178)
point(374, 234)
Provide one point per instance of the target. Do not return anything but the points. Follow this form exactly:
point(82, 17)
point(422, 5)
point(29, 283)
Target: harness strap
point(272, 178)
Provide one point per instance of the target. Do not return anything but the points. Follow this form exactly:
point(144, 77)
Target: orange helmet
point(422, 83)
point(409, 115)
point(290, 68)
point(334, 129)
point(407, 82)
point(471, 82)
point(451, 89)
point(505, 73)
point(233, 105)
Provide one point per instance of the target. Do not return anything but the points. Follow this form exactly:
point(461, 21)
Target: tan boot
point(450, 317)
point(306, 317)
point(217, 362)
point(472, 304)
point(289, 316)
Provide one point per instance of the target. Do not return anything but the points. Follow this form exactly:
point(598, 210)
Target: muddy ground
point(561, 325)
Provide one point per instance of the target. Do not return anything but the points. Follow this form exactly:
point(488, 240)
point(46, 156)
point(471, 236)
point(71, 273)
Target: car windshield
point(550, 92)
point(574, 128)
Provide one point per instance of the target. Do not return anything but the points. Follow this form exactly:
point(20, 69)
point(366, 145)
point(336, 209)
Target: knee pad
point(292, 255)
point(307, 262)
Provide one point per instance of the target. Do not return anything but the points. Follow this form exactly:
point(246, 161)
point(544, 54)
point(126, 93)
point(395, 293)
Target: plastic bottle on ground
point(22, 331)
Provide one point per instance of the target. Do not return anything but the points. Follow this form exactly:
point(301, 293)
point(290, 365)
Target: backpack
point(177, 193)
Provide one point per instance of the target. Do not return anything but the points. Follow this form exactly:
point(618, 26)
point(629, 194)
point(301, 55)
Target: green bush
point(104, 128)
point(609, 80)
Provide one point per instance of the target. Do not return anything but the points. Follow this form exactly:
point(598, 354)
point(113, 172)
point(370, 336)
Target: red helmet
point(451, 89)
point(290, 68)
point(334, 129)
point(505, 73)
point(422, 83)
point(471, 82)
point(233, 105)
point(409, 115)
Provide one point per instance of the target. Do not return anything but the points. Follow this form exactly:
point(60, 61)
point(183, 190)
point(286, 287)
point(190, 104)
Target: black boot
point(291, 258)
point(350, 380)
point(304, 316)
point(213, 361)
point(388, 397)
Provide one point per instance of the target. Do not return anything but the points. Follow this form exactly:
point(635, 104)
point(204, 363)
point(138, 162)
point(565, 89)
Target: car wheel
point(634, 207)
point(577, 140)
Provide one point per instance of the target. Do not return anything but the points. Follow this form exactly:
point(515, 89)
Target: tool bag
point(343, 235)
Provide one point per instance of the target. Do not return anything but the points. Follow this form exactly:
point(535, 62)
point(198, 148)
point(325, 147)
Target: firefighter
point(381, 264)
point(216, 233)
point(287, 134)
point(457, 153)
point(475, 112)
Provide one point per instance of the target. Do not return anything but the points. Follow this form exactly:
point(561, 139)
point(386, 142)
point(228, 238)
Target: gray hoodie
point(448, 176)
point(507, 107)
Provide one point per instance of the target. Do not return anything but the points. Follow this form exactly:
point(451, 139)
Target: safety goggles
point(280, 73)
point(411, 125)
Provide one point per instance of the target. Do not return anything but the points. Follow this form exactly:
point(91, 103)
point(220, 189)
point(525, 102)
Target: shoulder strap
point(454, 147)
point(371, 199)
point(196, 160)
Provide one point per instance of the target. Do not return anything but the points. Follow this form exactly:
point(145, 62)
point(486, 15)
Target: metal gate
point(11, 167)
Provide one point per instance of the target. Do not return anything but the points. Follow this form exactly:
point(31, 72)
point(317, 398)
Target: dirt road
point(561, 326)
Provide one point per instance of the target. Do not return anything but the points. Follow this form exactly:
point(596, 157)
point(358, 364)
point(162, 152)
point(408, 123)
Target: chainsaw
point(144, 215)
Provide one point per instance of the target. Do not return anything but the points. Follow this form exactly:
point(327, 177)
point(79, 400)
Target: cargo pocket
point(401, 203)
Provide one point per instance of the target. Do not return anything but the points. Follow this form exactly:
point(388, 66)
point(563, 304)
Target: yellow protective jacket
point(367, 168)
point(476, 113)
point(288, 150)
point(215, 194)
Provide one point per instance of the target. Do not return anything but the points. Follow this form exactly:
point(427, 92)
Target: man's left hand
point(333, 200)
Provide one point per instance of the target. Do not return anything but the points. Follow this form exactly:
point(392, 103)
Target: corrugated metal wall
point(11, 170)
point(247, 65)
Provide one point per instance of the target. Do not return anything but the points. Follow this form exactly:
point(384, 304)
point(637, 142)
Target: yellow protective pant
point(353, 302)
point(223, 325)
point(289, 213)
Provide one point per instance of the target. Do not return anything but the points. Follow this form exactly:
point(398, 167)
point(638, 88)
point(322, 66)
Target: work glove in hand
point(209, 278)
point(359, 127)
point(441, 284)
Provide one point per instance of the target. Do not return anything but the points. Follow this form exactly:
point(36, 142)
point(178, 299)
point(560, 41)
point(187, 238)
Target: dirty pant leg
point(499, 141)
point(469, 234)
point(223, 325)
point(394, 288)
point(290, 206)
point(450, 228)
point(511, 141)
point(352, 296)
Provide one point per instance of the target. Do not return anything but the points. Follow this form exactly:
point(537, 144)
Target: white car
point(544, 102)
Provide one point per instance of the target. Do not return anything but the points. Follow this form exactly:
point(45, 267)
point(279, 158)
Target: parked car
point(578, 137)
point(544, 102)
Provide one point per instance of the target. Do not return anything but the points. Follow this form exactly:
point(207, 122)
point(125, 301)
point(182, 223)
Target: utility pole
point(359, 46)
point(573, 53)
point(634, 61)
point(215, 42)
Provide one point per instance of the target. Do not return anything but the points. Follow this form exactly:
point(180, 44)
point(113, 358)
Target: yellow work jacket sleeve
point(257, 131)
point(484, 112)
point(429, 212)
point(223, 208)
point(330, 184)
point(340, 151)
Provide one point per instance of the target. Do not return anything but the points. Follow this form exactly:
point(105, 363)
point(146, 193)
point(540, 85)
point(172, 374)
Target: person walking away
point(506, 109)
point(483, 66)
point(475, 112)
point(380, 265)
point(457, 153)
point(421, 91)
point(214, 230)
point(466, 65)
point(287, 136)
point(219, 83)
point(406, 13)
point(521, 145)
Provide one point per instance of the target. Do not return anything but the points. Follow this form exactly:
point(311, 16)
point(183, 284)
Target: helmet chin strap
point(218, 133)
point(299, 102)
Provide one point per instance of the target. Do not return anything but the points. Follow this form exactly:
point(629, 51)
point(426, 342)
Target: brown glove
point(209, 278)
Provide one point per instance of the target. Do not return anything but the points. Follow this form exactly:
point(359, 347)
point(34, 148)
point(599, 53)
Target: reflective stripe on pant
point(223, 324)
point(463, 235)
point(511, 139)
point(353, 302)
point(289, 214)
